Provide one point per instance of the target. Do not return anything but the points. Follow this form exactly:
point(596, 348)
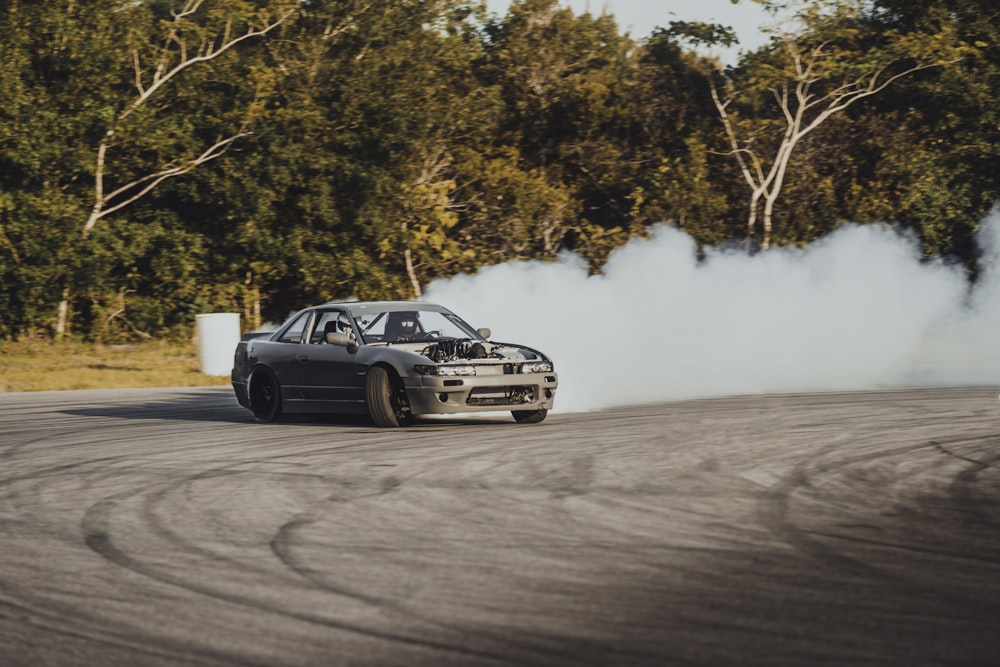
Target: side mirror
point(341, 339)
point(484, 332)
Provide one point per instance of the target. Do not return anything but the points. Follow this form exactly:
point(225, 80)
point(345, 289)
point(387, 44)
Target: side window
point(293, 334)
point(328, 321)
point(372, 327)
point(317, 334)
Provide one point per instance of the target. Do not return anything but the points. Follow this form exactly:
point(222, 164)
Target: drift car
point(391, 360)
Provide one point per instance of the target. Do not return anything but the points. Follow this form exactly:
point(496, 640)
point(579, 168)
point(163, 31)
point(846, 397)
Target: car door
point(280, 355)
point(330, 373)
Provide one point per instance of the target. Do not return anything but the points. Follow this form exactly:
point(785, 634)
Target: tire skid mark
point(569, 515)
point(96, 526)
point(56, 471)
point(66, 620)
point(151, 516)
point(774, 512)
point(964, 489)
point(281, 545)
point(535, 646)
point(68, 624)
point(283, 542)
point(14, 448)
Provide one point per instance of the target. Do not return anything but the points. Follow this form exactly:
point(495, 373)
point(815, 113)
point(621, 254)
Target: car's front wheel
point(529, 416)
point(386, 398)
point(264, 393)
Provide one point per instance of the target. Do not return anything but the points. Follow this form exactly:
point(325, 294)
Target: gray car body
point(327, 374)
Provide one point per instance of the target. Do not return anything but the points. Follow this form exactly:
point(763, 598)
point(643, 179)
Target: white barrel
point(218, 335)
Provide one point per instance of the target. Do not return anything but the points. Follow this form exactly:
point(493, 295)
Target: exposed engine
point(458, 348)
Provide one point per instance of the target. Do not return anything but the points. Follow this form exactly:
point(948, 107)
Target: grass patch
point(45, 366)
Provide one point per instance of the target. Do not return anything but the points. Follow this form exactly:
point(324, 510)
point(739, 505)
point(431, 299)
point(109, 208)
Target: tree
point(111, 80)
point(552, 177)
point(930, 153)
point(60, 68)
point(670, 124)
point(186, 43)
point(194, 35)
point(810, 77)
point(348, 190)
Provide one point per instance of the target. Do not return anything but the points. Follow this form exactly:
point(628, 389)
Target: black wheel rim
point(263, 395)
point(400, 406)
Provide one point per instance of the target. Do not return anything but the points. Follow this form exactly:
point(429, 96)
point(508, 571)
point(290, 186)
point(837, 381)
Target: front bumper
point(433, 394)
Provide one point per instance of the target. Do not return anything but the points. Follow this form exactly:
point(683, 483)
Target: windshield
point(404, 326)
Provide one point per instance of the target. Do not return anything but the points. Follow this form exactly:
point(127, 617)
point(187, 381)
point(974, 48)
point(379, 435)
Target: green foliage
point(778, 101)
point(369, 147)
point(937, 145)
point(699, 33)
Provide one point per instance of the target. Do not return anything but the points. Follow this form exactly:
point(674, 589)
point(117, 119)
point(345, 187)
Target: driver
point(402, 326)
point(344, 327)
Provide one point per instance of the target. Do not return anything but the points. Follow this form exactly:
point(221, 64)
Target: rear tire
point(529, 416)
point(264, 395)
point(386, 398)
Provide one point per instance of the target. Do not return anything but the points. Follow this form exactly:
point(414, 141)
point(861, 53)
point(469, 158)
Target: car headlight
point(536, 367)
point(452, 369)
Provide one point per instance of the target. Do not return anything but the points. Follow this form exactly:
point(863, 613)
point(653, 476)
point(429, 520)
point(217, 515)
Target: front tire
point(529, 416)
point(264, 394)
point(386, 398)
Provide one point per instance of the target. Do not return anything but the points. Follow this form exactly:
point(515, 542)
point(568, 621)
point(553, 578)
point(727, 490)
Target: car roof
point(360, 307)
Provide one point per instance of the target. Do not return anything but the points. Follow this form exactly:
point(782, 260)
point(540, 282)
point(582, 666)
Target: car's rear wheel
point(265, 395)
point(386, 398)
point(529, 416)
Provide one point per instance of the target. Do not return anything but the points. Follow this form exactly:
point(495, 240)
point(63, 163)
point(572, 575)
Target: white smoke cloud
point(855, 310)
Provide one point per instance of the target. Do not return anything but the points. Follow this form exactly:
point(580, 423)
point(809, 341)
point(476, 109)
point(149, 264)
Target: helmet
point(401, 326)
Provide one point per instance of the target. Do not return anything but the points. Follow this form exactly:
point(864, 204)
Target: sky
point(641, 17)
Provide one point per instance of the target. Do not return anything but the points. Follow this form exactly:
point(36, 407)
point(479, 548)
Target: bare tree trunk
point(119, 314)
point(164, 72)
point(251, 303)
point(148, 82)
point(62, 314)
point(796, 99)
point(768, 217)
point(412, 274)
point(256, 322)
point(752, 215)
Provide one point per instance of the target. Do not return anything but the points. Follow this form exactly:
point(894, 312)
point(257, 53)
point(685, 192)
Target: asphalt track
point(164, 527)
